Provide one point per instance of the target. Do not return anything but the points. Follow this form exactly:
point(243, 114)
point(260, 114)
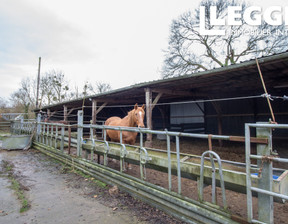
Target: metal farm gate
point(67, 144)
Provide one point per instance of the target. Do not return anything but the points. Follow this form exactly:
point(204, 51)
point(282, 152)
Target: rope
point(266, 93)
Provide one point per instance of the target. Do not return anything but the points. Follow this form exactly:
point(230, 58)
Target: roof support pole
point(48, 113)
point(94, 116)
point(94, 108)
point(95, 111)
point(219, 119)
point(65, 113)
point(149, 107)
point(148, 101)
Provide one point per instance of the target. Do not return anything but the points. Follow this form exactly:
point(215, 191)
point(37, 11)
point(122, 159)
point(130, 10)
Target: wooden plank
point(70, 111)
point(94, 114)
point(100, 108)
point(156, 100)
point(65, 113)
point(252, 139)
point(148, 99)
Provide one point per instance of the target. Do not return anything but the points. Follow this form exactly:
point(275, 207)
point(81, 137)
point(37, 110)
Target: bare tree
point(26, 95)
point(100, 87)
point(58, 86)
point(189, 51)
point(53, 89)
point(4, 106)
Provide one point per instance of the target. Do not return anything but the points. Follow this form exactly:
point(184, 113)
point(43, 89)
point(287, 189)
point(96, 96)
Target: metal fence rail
point(265, 160)
point(51, 138)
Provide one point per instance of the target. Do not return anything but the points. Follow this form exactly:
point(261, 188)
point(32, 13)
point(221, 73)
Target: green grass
point(8, 168)
point(16, 186)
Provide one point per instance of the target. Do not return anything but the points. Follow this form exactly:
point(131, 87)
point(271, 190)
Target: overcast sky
point(119, 42)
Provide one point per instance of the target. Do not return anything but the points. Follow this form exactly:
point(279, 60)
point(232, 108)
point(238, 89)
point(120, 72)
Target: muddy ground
point(74, 199)
point(237, 203)
point(57, 194)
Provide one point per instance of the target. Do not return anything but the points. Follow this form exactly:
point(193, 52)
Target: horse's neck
point(130, 120)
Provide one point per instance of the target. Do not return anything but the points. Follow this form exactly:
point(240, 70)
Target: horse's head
point(138, 115)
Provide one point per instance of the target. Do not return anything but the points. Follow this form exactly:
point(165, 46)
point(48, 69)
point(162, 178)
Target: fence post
point(62, 139)
point(265, 202)
point(79, 132)
point(38, 130)
point(21, 125)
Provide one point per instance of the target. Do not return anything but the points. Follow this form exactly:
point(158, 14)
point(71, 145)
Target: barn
point(218, 101)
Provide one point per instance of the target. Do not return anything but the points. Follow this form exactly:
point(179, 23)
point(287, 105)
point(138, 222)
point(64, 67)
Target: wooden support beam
point(156, 100)
point(94, 108)
point(149, 107)
point(65, 118)
point(101, 107)
point(148, 100)
point(54, 112)
point(219, 119)
point(94, 114)
point(48, 113)
point(70, 111)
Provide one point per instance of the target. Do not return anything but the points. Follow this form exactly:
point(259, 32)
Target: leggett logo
point(253, 15)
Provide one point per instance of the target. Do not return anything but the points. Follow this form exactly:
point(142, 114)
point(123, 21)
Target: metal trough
point(14, 142)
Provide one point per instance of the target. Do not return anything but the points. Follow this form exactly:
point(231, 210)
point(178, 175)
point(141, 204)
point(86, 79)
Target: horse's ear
point(143, 106)
point(136, 106)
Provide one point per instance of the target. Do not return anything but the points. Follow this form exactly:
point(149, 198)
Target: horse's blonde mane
point(130, 117)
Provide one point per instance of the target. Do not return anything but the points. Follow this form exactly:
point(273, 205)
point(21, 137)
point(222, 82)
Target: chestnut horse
point(134, 118)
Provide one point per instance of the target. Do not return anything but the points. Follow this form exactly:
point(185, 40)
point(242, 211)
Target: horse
point(134, 118)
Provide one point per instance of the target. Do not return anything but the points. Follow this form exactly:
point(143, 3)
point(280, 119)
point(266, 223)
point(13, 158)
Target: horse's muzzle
point(141, 126)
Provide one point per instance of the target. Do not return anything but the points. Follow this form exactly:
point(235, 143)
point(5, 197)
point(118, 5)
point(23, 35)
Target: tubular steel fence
point(265, 159)
point(59, 141)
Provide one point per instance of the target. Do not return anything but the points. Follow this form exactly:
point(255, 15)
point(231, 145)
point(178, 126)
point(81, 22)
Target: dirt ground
point(33, 167)
point(237, 203)
point(232, 151)
point(56, 194)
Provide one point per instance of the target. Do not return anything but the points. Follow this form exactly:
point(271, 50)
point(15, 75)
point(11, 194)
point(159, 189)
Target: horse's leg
point(130, 142)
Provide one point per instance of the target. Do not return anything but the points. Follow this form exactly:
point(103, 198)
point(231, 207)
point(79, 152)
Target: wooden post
point(48, 114)
point(79, 133)
point(65, 113)
point(38, 127)
point(69, 139)
point(94, 108)
point(94, 115)
point(148, 99)
point(219, 120)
